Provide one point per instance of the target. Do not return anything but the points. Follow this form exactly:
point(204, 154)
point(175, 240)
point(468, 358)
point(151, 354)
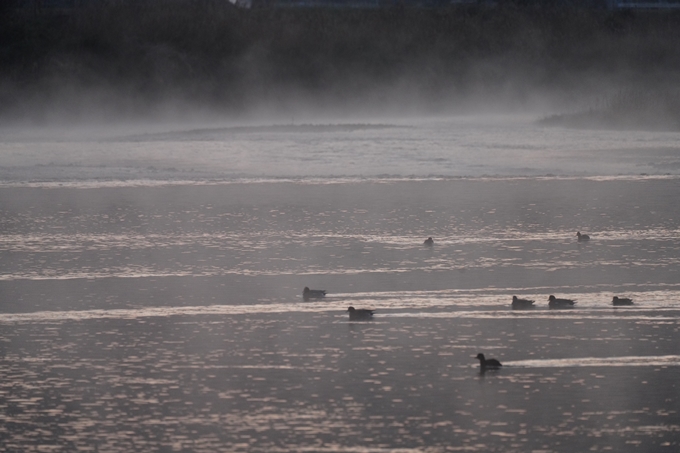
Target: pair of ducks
point(363, 314)
point(360, 314)
point(554, 302)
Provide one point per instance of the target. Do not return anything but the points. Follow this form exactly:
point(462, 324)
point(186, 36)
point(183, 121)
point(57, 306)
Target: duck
point(313, 293)
point(618, 301)
point(488, 364)
point(429, 241)
point(554, 302)
point(360, 314)
point(582, 237)
point(518, 304)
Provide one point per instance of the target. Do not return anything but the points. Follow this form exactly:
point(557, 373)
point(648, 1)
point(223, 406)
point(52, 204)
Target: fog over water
point(151, 287)
point(460, 146)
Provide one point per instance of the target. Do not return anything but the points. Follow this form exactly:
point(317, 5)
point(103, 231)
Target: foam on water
point(666, 360)
point(168, 181)
point(658, 306)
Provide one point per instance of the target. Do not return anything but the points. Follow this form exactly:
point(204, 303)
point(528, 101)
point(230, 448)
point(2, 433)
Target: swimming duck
point(554, 302)
point(582, 237)
point(518, 304)
point(617, 301)
point(490, 364)
point(429, 241)
point(360, 314)
point(313, 293)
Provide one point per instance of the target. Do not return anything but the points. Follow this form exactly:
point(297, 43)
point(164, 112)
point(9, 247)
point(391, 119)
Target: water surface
point(166, 314)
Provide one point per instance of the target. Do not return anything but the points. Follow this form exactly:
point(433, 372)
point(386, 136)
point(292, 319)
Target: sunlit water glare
point(165, 313)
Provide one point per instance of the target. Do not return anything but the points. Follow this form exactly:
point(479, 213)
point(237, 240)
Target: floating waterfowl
point(582, 237)
point(429, 241)
point(618, 301)
point(554, 302)
point(518, 304)
point(313, 293)
point(360, 314)
point(488, 364)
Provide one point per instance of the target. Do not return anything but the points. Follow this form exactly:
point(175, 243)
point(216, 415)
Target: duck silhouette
point(360, 314)
point(488, 364)
point(313, 293)
point(619, 301)
point(582, 237)
point(554, 302)
point(518, 304)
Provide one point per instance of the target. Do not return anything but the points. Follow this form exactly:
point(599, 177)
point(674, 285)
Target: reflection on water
point(171, 319)
point(653, 306)
point(292, 381)
point(497, 232)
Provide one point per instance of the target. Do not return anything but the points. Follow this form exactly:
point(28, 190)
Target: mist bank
point(176, 58)
point(650, 109)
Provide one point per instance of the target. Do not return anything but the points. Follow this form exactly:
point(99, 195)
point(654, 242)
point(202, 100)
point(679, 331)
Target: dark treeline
point(122, 57)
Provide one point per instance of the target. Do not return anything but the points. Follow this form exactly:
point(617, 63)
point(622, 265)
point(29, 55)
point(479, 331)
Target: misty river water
point(151, 289)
